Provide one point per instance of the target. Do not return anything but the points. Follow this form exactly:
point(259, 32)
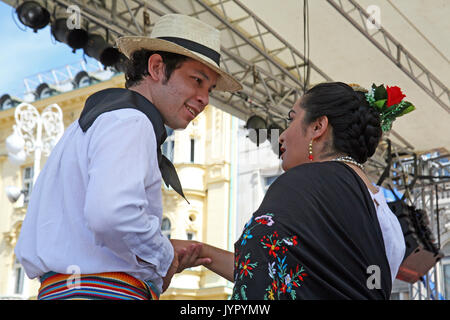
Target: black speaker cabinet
point(421, 252)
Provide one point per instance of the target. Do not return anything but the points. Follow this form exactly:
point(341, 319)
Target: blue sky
point(25, 53)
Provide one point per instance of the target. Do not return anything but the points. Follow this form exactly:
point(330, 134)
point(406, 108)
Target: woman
point(323, 230)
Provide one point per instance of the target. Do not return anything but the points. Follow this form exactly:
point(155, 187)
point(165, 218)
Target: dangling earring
point(311, 158)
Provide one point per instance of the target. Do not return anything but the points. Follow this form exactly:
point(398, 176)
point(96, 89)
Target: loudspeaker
point(421, 253)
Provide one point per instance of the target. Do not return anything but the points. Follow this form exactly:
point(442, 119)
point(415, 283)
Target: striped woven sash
point(99, 286)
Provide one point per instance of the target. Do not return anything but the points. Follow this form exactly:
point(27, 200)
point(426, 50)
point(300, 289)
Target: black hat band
point(196, 47)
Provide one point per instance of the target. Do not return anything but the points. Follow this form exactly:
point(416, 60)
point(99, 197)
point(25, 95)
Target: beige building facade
point(203, 155)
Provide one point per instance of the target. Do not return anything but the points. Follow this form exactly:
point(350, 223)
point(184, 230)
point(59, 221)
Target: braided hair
point(356, 125)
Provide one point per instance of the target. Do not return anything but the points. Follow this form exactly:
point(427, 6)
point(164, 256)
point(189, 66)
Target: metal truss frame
point(394, 50)
point(271, 70)
point(425, 196)
point(424, 179)
point(427, 288)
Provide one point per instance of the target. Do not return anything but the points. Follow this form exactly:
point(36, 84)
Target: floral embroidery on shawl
point(284, 277)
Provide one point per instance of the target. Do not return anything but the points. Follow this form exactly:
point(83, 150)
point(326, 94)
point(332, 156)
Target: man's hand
point(187, 254)
point(172, 270)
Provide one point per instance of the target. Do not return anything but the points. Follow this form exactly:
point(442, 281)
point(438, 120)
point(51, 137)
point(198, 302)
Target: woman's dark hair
point(356, 125)
point(137, 65)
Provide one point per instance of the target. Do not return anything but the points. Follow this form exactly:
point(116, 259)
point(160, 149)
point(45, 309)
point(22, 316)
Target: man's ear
point(319, 127)
point(156, 67)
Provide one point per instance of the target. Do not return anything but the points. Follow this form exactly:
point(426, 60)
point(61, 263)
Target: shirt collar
point(119, 98)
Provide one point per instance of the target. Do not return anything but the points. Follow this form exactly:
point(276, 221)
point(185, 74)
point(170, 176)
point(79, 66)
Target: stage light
point(74, 38)
point(256, 123)
point(121, 64)
point(100, 50)
point(82, 79)
point(6, 102)
point(33, 15)
point(110, 56)
point(94, 46)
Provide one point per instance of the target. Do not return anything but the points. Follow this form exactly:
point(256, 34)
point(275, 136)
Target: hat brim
point(127, 45)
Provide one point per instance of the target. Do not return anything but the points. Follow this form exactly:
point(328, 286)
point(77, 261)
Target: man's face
point(185, 94)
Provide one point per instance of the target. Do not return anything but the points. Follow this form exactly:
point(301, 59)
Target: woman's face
point(295, 139)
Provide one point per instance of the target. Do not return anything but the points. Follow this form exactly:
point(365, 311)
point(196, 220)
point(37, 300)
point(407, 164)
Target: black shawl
point(315, 236)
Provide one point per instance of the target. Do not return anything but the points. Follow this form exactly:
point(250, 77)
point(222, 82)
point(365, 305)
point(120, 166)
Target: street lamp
point(34, 133)
point(13, 193)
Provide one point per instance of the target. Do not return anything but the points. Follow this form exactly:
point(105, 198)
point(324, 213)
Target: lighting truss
point(270, 69)
point(394, 50)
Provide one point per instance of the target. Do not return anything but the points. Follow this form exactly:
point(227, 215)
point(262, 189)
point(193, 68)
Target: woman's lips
point(282, 150)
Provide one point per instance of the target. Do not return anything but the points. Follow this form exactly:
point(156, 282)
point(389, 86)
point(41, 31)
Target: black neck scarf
point(118, 98)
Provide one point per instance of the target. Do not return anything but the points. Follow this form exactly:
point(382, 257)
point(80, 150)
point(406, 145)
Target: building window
point(168, 146)
point(190, 235)
point(19, 277)
point(192, 150)
point(166, 227)
point(27, 183)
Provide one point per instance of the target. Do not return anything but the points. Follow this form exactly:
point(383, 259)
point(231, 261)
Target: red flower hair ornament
point(394, 96)
point(388, 101)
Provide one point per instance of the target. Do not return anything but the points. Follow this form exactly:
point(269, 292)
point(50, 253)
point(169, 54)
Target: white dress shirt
point(393, 238)
point(97, 204)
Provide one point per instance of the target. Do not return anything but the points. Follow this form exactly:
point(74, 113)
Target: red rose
point(395, 95)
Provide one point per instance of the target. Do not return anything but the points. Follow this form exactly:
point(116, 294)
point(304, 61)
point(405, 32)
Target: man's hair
point(137, 65)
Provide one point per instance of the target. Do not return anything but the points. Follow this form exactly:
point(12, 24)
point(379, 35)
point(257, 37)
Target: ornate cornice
point(218, 172)
point(12, 236)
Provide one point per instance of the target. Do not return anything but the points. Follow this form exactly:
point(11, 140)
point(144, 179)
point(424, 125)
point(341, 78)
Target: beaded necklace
point(349, 160)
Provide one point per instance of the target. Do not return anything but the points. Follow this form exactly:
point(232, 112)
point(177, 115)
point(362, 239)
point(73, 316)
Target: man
point(93, 226)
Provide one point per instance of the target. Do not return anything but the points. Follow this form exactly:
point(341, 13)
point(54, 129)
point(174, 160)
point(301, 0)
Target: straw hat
point(186, 36)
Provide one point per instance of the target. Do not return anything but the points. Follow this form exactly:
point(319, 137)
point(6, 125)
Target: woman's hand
point(190, 254)
point(187, 254)
point(194, 253)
